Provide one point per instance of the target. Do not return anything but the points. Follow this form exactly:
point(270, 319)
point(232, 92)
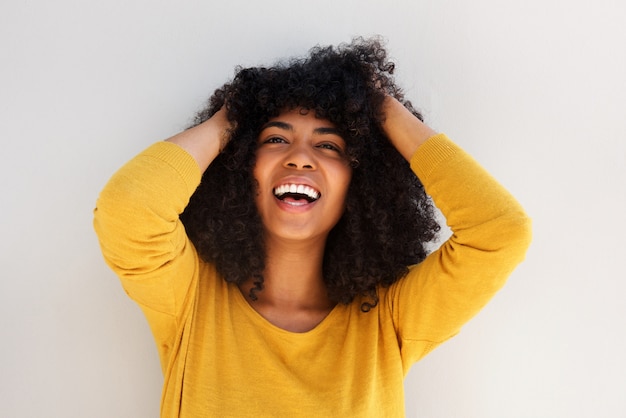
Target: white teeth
point(297, 188)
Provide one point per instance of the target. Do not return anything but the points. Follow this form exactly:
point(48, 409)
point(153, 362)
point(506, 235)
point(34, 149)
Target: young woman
point(278, 247)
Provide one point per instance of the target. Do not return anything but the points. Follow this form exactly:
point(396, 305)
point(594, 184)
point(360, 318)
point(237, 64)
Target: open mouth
point(296, 192)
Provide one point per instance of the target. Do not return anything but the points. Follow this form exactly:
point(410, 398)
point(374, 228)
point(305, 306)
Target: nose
point(300, 158)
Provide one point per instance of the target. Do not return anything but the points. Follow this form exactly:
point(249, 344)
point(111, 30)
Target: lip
point(295, 208)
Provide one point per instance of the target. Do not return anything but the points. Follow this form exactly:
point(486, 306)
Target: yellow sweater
point(220, 358)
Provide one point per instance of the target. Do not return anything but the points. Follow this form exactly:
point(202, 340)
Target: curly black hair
point(388, 219)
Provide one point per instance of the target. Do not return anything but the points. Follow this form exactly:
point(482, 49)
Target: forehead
point(296, 118)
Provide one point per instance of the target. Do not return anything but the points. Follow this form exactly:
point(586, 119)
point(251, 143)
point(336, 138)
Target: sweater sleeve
point(490, 236)
point(142, 239)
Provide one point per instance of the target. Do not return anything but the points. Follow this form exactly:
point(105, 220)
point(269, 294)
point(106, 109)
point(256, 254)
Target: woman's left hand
point(405, 131)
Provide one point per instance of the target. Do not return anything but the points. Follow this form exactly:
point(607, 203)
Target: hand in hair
point(206, 140)
point(405, 131)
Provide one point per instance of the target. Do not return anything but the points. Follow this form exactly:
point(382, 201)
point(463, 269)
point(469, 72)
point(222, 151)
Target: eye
point(275, 140)
point(330, 146)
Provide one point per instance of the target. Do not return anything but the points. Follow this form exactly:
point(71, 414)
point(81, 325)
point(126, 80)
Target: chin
point(299, 235)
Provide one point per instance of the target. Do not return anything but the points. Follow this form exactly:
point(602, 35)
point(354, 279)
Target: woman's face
point(303, 176)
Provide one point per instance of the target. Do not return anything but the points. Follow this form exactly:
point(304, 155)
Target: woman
point(278, 247)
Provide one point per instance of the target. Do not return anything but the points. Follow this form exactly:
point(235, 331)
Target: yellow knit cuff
point(431, 153)
point(179, 159)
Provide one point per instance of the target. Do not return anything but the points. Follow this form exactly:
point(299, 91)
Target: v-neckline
point(258, 317)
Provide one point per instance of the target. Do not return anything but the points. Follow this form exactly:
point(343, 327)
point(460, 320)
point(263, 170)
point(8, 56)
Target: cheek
point(343, 175)
point(257, 185)
point(259, 173)
point(261, 185)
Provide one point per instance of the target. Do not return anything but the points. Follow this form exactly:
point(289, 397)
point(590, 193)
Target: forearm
point(205, 141)
point(405, 131)
point(469, 197)
point(136, 217)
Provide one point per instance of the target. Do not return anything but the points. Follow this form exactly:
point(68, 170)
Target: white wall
point(535, 90)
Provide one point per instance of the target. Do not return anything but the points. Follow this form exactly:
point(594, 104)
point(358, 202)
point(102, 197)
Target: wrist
point(405, 131)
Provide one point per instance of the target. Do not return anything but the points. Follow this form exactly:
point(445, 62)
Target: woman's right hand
point(205, 141)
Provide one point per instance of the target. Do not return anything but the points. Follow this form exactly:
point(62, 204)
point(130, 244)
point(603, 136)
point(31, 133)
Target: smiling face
point(303, 176)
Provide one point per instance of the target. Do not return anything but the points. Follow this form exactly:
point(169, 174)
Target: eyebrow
point(325, 130)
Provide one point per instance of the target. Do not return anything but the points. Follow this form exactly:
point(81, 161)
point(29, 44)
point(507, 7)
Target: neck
point(293, 277)
point(294, 296)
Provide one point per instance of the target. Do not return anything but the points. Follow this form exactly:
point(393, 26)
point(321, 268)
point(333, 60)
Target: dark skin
point(294, 297)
